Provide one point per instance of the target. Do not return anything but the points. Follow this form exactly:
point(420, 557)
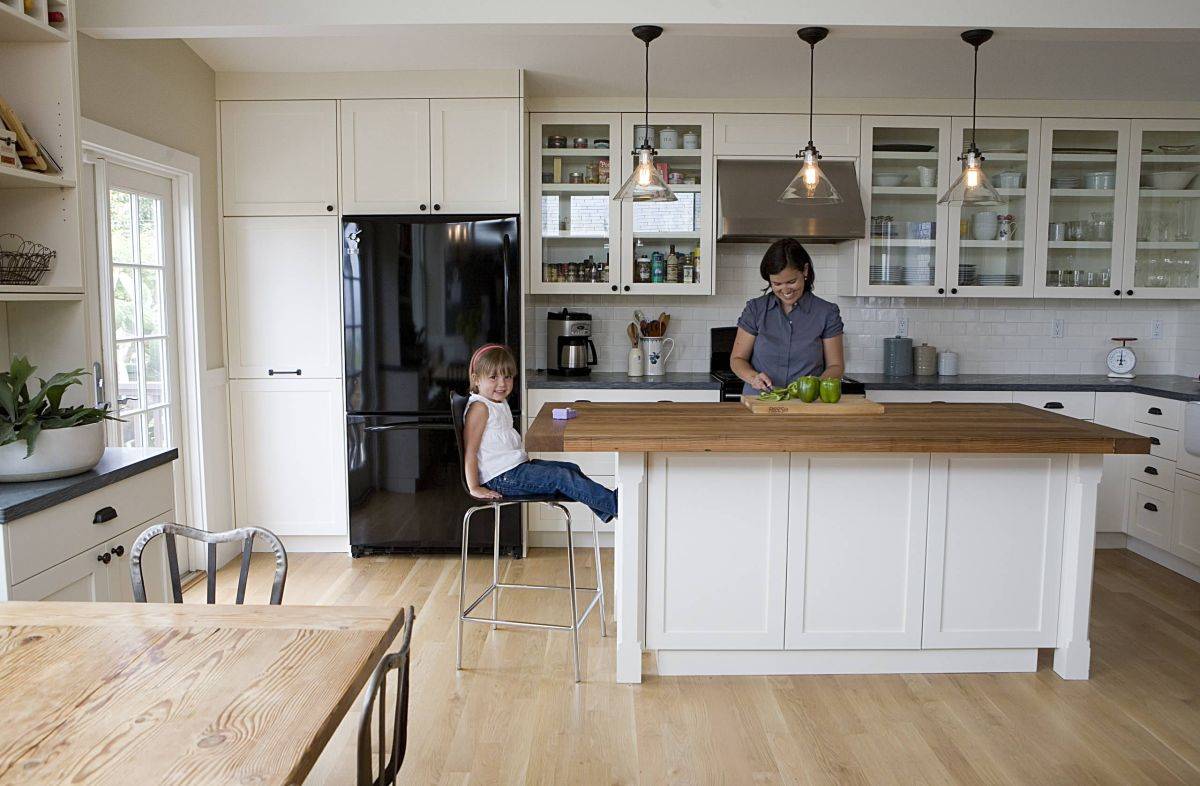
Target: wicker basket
point(23, 262)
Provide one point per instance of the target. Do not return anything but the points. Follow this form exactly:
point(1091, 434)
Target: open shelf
point(18, 27)
point(12, 293)
point(27, 178)
point(1079, 244)
point(1162, 193)
point(1084, 193)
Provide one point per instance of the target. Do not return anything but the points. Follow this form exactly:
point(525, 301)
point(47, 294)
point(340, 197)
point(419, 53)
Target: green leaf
point(8, 434)
point(29, 432)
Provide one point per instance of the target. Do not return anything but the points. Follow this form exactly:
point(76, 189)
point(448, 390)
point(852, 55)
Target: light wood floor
point(515, 716)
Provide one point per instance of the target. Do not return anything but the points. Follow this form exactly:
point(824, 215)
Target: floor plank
point(513, 715)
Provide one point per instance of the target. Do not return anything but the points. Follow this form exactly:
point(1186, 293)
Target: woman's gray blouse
point(787, 346)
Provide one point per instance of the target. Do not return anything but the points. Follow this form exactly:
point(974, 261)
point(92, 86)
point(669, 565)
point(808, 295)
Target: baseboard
point(1164, 558)
point(327, 544)
point(677, 663)
point(1111, 540)
point(558, 540)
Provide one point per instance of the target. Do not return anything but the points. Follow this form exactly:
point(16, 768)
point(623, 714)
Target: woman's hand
point(760, 381)
point(483, 492)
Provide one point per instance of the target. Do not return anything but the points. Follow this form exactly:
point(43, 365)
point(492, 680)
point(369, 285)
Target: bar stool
point(458, 411)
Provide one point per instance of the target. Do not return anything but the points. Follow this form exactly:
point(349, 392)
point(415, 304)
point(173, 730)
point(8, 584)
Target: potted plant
point(39, 437)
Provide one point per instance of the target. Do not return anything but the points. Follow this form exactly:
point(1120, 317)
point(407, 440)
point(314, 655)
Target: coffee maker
point(569, 347)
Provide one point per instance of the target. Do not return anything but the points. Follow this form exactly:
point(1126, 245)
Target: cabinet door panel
point(994, 552)
point(856, 562)
point(154, 563)
point(289, 455)
point(1185, 531)
point(715, 561)
point(1150, 514)
point(283, 296)
point(279, 158)
point(475, 151)
point(385, 156)
point(81, 578)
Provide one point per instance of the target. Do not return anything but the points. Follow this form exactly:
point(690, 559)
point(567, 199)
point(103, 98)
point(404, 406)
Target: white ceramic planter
point(57, 453)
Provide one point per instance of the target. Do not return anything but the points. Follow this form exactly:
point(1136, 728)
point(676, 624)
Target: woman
point(787, 332)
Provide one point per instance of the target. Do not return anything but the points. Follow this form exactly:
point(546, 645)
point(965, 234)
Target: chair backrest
point(458, 414)
point(388, 758)
point(245, 534)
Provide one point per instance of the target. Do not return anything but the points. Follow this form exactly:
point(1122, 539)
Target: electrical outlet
point(1060, 328)
point(902, 327)
point(1156, 329)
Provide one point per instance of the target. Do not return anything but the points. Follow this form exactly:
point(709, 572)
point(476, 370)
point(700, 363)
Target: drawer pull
point(118, 551)
point(272, 372)
point(1053, 405)
point(105, 558)
point(104, 515)
point(1150, 471)
point(1154, 411)
point(1150, 506)
point(1155, 441)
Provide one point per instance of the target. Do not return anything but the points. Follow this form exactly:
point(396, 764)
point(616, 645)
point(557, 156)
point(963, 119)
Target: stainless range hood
point(748, 210)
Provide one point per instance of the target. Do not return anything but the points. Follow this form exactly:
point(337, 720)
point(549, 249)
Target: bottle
point(672, 266)
point(643, 269)
point(696, 263)
point(658, 268)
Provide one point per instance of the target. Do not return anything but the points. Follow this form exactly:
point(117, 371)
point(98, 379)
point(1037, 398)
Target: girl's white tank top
point(501, 448)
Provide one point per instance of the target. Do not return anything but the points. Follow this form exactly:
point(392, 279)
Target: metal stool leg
point(599, 574)
point(495, 563)
point(571, 582)
point(462, 589)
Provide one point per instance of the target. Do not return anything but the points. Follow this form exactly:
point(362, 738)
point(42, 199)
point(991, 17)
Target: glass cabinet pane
point(666, 235)
point(1168, 214)
point(904, 194)
point(1084, 179)
point(992, 241)
point(574, 201)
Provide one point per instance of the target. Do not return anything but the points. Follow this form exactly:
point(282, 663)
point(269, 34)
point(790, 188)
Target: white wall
point(991, 336)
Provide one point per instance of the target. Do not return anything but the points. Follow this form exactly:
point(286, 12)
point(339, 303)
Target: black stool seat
point(525, 498)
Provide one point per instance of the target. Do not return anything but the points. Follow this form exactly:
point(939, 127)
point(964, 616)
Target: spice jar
point(579, 142)
point(691, 140)
point(643, 268)
point(575, 177)
point(604, 170)
point(592, 172)
point(556, 141)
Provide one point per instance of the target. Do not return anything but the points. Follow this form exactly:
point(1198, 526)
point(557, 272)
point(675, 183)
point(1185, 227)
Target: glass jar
point(691, 140)
point(643, 268)
point(575, 177)
point(592, 172)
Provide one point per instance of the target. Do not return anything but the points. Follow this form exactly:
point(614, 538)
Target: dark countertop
point(117, 464)
point(1165, 385)
point(619, 380)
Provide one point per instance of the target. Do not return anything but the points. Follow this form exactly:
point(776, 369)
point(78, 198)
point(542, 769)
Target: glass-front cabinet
point(1162, 237)
point(575, 170)
point(905, 166)
point(992, 250)
point(1082, 188)
point(666, 247)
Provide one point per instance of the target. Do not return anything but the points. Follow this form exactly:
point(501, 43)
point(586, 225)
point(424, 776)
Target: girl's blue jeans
point(537, 476)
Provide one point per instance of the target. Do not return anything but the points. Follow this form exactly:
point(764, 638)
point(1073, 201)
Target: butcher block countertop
point(903, 428)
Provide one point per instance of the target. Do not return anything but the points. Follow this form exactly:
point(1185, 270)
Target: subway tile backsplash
point(990, 335)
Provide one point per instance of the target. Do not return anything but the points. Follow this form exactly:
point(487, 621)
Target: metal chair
point(458, 411)
point(245, 534)
point(390, 758)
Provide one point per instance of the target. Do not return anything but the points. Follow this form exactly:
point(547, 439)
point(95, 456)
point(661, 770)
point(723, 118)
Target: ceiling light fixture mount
point(810, 186)
point(645, 183)
point(972, 186)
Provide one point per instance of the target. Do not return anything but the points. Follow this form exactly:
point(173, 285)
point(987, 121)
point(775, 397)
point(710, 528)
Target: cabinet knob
point(1155, 441)
point(437, 206)
point(424, 206)
point(626, 287)
point(953, 290)
point(104, 515)
point(1150, 506)
point(329, 208)
point(1052, 405)
point(941, 291)
point(118, 551)
point(1154, 411)
point(105, 558)
point(1129, 292)
point(1117, 292)
point(1150, 470)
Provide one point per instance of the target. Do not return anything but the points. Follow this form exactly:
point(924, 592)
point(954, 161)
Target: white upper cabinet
point(743, 134)
point(283, 296)
point(385, 156)
point(475, 155)
point(279, 158)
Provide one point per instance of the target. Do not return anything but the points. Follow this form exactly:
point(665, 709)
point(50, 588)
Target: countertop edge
point(85, 483)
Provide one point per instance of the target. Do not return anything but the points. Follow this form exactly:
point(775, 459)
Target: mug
point(927, 176)
point(985, 225)
point(656, 358)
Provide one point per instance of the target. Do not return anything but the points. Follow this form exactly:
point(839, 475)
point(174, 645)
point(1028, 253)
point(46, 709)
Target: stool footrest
point(520, 624)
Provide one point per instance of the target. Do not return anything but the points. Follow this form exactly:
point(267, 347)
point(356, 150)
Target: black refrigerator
point(419, 294)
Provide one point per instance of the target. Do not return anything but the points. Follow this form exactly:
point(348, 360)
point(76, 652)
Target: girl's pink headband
point(480, 351)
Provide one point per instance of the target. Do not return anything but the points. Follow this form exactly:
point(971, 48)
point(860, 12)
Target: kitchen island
point(931, 538)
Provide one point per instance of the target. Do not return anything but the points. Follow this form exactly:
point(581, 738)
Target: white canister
point(668, 139)
point(656, 351)
point(927, 176)
point(948, 364)
point(643, 134)
point(691, 140)
point(635, 362)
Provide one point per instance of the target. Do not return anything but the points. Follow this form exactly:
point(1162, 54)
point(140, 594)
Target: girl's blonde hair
point(494, 358)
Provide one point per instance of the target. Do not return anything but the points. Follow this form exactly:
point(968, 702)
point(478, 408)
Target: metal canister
point(925, 360)
point(658, 268)
point(897, 356)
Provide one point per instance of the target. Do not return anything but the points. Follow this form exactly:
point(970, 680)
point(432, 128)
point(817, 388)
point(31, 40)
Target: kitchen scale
point(1121, 360)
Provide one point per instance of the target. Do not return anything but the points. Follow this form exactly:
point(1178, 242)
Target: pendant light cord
point(974, 94)
point(646, 139)
point(812, 59)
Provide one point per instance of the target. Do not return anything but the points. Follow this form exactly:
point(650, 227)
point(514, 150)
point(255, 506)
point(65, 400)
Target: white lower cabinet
point(942, 396)
point(83, 577)
point(856, 561)
point(716, 560)
point(289, 455)
point(1150, 512)
point(1185, 530)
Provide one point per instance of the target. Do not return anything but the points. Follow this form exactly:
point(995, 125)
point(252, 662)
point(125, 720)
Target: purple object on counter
point(564, 413)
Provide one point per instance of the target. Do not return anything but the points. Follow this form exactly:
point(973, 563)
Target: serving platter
point(849, 404)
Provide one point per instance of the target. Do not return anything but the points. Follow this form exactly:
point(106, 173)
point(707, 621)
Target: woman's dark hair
point(783, 254)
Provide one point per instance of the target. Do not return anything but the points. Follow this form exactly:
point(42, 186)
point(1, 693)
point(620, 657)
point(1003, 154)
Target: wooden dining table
point(136, 693)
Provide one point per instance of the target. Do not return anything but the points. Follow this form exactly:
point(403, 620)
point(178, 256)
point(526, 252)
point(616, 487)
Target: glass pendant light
point(646, 183)
point(810, 186)
point(973, 187)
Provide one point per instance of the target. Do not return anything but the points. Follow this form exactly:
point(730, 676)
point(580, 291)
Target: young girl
point(497, 464)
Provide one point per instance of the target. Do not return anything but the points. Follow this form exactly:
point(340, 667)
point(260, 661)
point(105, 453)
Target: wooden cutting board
point(856, 404)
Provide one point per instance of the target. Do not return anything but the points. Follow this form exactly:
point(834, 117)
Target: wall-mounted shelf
point(26, 293)
point(27, 178)
point(18, 27)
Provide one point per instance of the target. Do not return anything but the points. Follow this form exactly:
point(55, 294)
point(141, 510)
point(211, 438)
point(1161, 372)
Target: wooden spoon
point(633, 334)
point(665, 320)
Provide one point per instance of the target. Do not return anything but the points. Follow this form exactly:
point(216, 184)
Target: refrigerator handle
point(412, 427)
point(504, 265)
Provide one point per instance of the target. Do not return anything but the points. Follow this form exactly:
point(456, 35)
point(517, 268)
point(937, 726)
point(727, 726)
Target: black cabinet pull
point(119, 551)
point(1154, 411)
point(424, 206)
point(1117, 292)
point(1150, 470)
point(272, 372)
point(437, 206)
point(105, 558)
point(615, 288)
point(1052, 405)
point(104, 515)
point(626, 287)
point(329, 208)
point(1150, 506)
point(941, 291)
point(953, 290)
point(1129, 292)
point(1155, 441)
